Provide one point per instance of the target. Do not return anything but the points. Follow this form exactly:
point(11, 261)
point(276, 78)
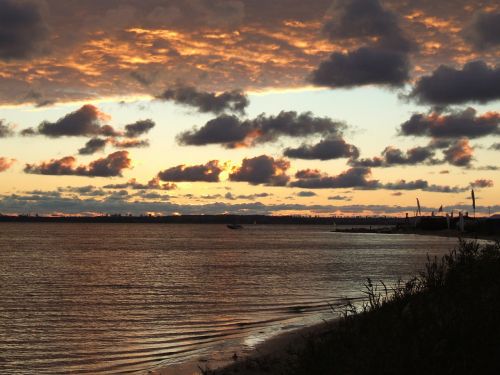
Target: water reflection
point(86, 298)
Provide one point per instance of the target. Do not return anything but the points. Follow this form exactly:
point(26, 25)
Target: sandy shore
point(268, 356)
point(272, 356)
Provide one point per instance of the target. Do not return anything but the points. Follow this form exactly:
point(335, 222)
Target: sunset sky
point(322, 107)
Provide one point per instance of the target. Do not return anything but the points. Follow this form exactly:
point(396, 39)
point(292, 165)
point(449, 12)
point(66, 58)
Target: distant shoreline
point(207, 219)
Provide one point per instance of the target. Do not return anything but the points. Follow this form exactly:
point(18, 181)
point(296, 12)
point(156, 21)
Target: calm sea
point(118, 298)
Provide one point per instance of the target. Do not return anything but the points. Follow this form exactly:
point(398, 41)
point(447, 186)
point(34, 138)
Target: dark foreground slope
point(445, 321)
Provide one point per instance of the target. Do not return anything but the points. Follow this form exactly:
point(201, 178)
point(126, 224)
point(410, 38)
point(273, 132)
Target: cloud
point(308, 173)
point(363, 19)
point(262, 169)
point(92, 146)
point(457, 124)
point(359, 178)
point(475, 82)
point(306, 194)
point(484, 31)
point(57, 204)
point(364, 66)
point(251, 197)
point(495, 146)
point(339, 198)
point(356, 177)
point(88, 191)
point(89, 121)
point(422, 185)
point(460, 153)
point(227, 101)
point(6, 163)
point(482, 183)
point(130, 143)
point(208, 172)
point(394, 156)
point(6, 130)
point(153, 184)
point(232, 132)
point(23, 32)
point(327, 149)
point(212, 45)
point(138, 128)
point(86, 121)
point(37, 99)
point(110, 166)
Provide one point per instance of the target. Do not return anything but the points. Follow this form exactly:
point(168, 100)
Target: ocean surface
point(127, 298)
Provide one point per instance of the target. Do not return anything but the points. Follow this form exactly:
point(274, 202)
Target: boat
point(235, 226)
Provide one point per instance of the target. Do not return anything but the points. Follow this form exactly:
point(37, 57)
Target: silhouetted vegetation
point(446, 320)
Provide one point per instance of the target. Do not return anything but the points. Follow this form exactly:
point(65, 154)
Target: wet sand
point(268, 357)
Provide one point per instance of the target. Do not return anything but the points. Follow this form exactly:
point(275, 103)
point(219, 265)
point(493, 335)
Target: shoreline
point(444, 321)
point(449, 233)
point(272, 355)
point(268, 355)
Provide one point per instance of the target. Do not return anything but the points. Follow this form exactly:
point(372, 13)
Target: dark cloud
point(86, 121)
point(92, 146)
point(6, 130)
point(356, 177)
point(251, 197)
point(28, 132)
point(374, 162)
point(364, 66)
point(215, 45)
point(208, 172)
point(460, 153)
point(138, 128)
point(422, 185)
point(327, 149)
point(110, 166)
point(394, 156)
point(231, 132)
point(458, 124)
point(362, 19)
point(6, 163)
point(308, 173)
point(476, 82)
point(383, 61)
point(484, 30)
point(306, 194)
point(227, 101)
point(495, 146)
point(23, 32)
point(262, 170)
point(482, 183)
point(339, 198)
point(488, 168)
point(38, 99)
point(88, 190)
point(153, 184)
point(130, 143)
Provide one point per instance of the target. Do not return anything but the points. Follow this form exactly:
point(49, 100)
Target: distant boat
point(235, 226)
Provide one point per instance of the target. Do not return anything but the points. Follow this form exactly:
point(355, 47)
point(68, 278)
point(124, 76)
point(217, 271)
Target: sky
point(343, 107)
